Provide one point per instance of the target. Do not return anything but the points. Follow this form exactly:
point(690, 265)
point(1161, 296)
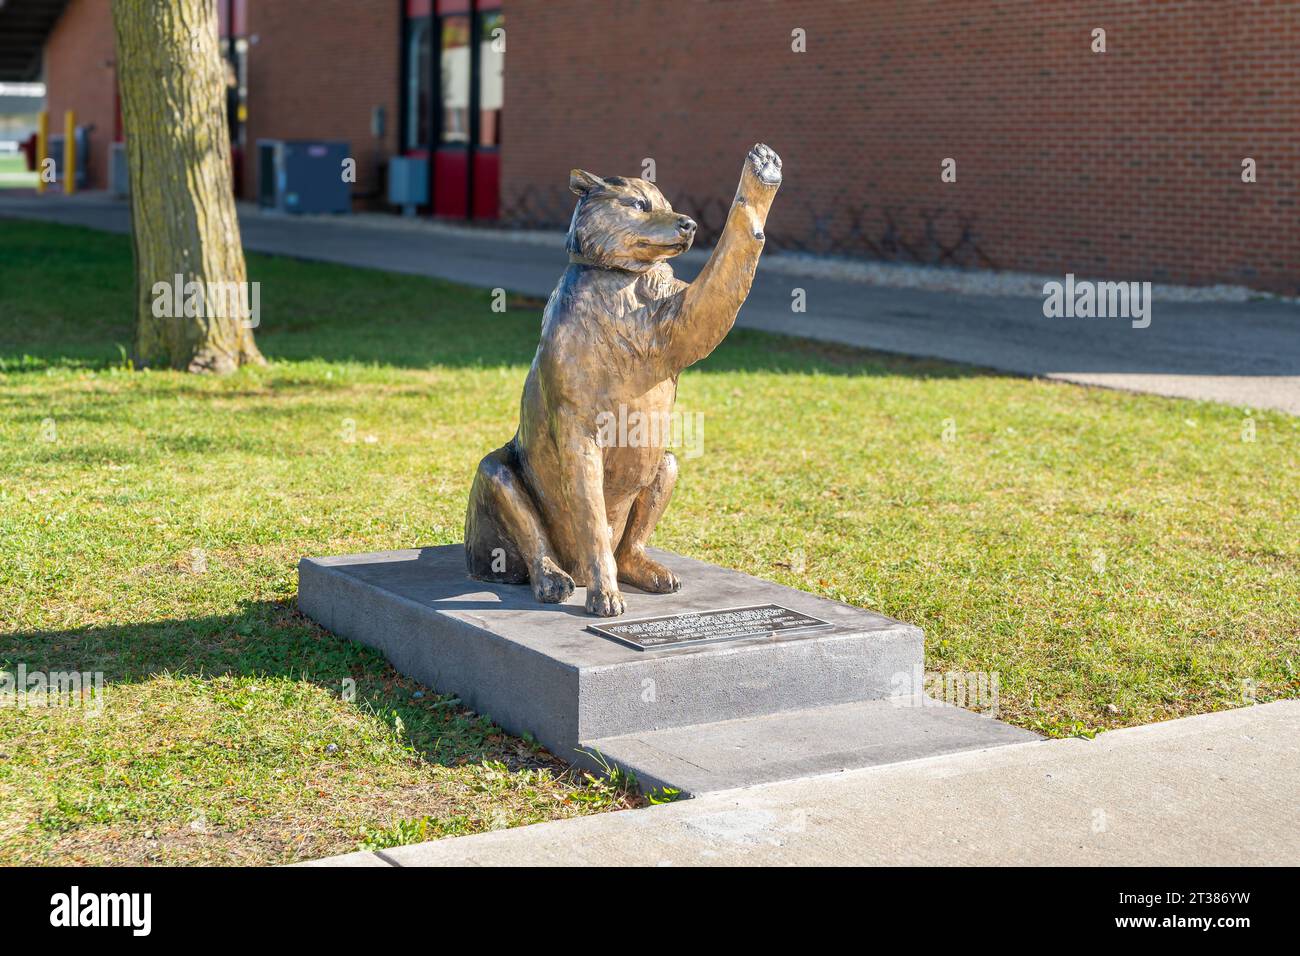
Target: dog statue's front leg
point(697, 319)
point(582, 476)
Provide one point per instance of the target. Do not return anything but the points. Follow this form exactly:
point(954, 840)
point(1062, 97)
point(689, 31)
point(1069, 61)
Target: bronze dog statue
point(556, 506)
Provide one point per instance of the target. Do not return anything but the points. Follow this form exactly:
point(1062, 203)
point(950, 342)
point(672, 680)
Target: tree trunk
point(171, 78)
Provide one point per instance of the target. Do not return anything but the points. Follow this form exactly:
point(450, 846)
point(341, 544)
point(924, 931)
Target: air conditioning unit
point(302, 176)
point(408, 183)
point(119, 183)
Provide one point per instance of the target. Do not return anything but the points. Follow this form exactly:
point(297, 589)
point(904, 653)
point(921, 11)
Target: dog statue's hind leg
point(505, 540)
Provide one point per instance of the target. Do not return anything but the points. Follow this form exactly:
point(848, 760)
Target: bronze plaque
point(708, 627)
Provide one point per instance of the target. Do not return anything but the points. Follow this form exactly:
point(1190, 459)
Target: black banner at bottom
point(939, 906)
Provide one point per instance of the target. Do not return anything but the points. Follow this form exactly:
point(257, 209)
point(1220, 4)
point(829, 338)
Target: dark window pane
point(419, 82)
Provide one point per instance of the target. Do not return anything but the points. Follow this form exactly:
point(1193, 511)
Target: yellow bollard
point(42, 144)
point(69, 153)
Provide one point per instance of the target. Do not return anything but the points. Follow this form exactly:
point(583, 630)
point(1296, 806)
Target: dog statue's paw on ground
point(765, 164)
point(603, 603)
point(551, 585)
point(644, 572)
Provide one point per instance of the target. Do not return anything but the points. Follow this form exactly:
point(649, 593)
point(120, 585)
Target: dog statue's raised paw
point(766, 164)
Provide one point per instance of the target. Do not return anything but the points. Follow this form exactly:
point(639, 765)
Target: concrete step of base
point(730, 754)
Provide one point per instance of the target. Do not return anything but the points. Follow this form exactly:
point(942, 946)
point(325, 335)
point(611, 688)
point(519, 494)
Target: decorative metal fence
point(884, 233)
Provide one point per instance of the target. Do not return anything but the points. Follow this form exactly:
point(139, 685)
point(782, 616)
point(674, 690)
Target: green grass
point(14, 174)
point(1116, 559)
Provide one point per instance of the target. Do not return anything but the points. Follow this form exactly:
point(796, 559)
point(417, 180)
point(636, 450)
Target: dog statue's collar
point(581, 260)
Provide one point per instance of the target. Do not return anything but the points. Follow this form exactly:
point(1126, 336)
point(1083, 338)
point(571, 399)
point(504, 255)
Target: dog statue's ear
point(582, 182)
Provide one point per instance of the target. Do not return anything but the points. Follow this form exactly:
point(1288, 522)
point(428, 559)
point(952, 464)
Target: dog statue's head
point(624, 223)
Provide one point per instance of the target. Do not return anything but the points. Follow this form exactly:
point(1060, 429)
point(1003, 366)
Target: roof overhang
point(24, 25)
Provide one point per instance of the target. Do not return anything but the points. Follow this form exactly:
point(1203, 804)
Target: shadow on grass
point(65, 301)
point(271, 639)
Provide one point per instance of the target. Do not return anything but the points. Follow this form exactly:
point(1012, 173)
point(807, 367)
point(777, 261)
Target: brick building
point(1125, 163)
point(80, 75)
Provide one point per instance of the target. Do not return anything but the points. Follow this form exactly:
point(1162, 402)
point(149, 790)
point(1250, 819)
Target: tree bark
point(171, 78)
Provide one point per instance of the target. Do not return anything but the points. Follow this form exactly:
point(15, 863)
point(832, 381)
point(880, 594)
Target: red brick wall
point(80, 75)
point(316, 70)
point(1125, 164)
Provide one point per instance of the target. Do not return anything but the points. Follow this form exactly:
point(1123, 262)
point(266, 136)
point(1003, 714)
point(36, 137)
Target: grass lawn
point(1116, 559)
point(14, 174)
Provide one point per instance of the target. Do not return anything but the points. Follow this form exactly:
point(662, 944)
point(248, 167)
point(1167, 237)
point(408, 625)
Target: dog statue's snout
point(686, 225)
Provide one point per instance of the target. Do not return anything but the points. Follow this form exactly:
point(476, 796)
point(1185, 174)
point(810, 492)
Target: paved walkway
point(1244, 354)
point(1215, 790)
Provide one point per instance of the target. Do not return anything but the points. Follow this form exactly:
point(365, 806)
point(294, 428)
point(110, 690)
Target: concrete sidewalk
point(1240, 353)
point(1215, 790)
